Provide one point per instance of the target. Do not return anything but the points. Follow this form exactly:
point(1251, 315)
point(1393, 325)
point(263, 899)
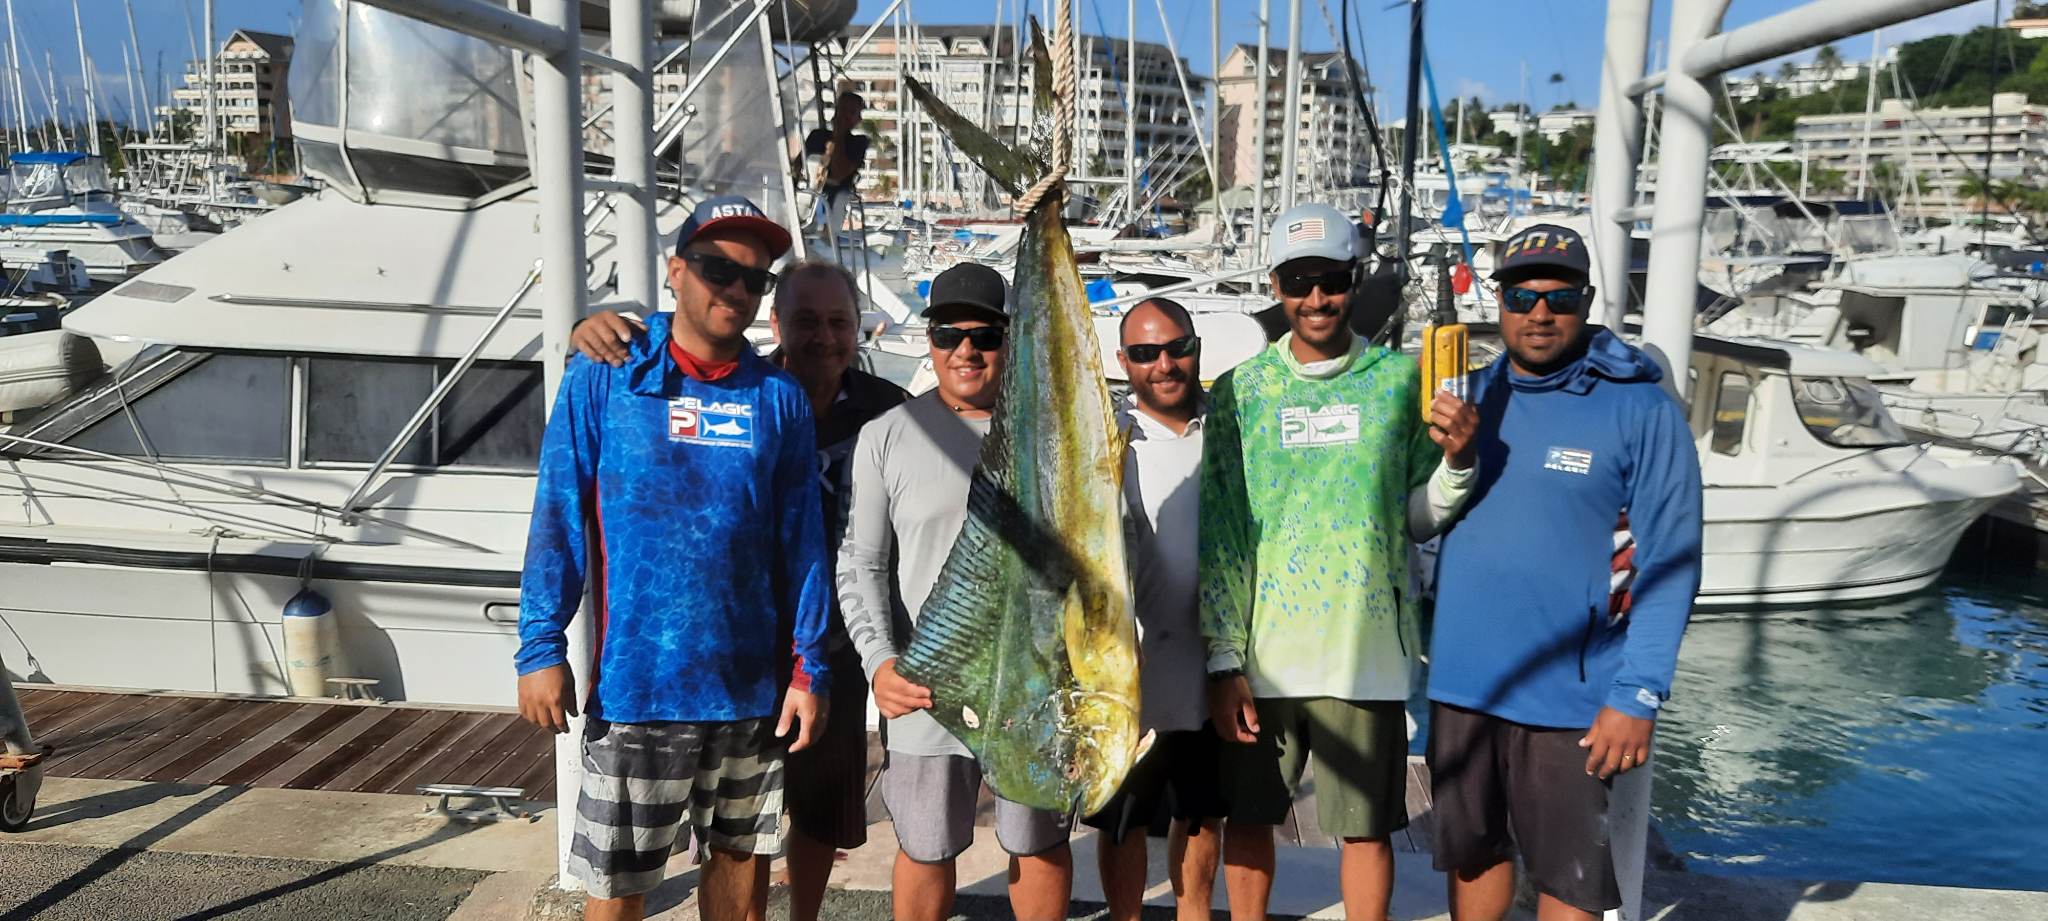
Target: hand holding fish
point(895, 696)
point(809, 712)
point(1617, 743)
point(1452, 423)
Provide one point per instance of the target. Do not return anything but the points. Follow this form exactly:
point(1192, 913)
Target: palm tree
point(1828, 58)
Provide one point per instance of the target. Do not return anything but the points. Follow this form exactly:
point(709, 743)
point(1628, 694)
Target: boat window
point(1731, 413)
point(1846, 412)
point(356, 406)
point(225, 407)
point(494, 417)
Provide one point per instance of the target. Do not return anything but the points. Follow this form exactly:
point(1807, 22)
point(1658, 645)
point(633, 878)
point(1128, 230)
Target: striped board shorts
point(643, 781)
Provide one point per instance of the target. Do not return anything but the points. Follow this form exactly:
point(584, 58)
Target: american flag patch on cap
point(1305, 230)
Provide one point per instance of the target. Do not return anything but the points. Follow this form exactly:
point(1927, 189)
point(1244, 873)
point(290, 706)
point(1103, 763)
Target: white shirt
point(1162, 485)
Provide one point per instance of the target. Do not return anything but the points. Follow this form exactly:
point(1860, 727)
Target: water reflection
point(1893, 742)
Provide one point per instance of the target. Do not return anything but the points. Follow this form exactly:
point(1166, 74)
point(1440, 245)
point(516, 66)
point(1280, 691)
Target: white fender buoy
point(312, 644)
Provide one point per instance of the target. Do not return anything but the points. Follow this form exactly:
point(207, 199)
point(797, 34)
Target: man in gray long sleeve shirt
point(911, 470)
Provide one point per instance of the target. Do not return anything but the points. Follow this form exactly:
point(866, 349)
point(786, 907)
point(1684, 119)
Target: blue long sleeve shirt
point(1521, 628)
point(702, 499)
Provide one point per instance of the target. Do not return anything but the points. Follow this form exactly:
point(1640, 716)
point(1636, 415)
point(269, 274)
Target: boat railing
point(441, 391)
point(51, 452)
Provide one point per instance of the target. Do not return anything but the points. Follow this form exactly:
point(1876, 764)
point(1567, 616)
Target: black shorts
point(1178, 779)
point(1500, 785)
point(825, 786)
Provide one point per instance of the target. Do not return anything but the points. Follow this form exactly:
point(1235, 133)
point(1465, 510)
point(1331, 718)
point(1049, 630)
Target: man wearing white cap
point(1315, 464)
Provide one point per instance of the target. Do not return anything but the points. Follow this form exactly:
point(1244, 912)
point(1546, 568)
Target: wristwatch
point(1226, 674)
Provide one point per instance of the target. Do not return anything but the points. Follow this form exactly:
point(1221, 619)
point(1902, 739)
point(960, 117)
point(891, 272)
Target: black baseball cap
point(1545, 251)
point(970, 284)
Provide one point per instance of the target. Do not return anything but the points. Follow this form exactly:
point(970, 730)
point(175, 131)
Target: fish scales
point(1027, 640)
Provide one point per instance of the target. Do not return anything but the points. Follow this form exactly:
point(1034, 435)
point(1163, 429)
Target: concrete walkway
point(123, 850)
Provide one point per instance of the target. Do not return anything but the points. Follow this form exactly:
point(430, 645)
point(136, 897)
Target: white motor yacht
point(65, 200)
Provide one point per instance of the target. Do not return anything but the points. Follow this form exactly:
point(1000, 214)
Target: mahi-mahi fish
point(1027, 640)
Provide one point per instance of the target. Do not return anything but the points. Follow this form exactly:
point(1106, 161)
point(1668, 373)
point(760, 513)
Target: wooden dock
point(293, 744)
point(395, 748)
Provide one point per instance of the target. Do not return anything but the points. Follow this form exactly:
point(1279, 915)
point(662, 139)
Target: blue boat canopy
point(58, 157)
point(52, 220)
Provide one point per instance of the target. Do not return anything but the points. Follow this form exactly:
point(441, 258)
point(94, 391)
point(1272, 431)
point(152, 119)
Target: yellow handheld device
point(1446, 353)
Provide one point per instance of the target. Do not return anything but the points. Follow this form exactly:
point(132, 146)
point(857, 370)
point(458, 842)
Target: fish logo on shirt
point(726, 425)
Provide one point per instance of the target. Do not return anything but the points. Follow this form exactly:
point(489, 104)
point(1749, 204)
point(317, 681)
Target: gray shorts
point(643, 782)
point(931, 800)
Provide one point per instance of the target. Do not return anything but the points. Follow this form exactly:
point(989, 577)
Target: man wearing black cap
point(911, 473)
point(1540, 693)
point(693, 466)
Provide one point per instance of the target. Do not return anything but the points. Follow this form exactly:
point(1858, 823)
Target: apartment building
point(250, 75)
point(977, 71)
point(1799, 80)
point(1332, 146)
point(1931, 151)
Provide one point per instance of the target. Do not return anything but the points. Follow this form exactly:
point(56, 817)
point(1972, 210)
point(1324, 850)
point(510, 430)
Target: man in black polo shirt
point(815, 316)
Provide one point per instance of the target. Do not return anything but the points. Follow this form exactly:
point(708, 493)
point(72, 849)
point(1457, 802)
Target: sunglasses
point(1149, 353)
point(1562, 302)
point(985, 338)
point(719, 271)
point(1333, 282)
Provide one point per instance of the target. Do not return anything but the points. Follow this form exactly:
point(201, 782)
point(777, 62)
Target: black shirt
point(856, 150)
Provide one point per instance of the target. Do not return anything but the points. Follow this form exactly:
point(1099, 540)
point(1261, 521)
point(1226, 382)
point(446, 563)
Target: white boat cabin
point(1768, 412)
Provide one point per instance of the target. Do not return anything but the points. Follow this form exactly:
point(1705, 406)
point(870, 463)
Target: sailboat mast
point(92, 120)
point(1290, 139)
point(1259, 161)
point(212, 88)
point(135, 46)
point(1869, 113)
point(1131, 112)
point(14, 64)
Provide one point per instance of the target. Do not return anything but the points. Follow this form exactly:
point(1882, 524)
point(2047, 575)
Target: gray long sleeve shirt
point(911, 470)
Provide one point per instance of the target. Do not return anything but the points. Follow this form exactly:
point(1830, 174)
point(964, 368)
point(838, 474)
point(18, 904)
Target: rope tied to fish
point(1063, 89)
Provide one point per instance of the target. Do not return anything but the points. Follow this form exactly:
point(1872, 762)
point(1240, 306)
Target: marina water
point(1894, 742)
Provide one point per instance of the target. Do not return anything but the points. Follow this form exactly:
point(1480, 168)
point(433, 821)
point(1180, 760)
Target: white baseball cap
point(1311, 230)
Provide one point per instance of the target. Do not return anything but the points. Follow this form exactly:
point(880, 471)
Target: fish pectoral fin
point(1012, 169)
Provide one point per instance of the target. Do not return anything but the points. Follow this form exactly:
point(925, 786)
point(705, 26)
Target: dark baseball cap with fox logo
point(734, 214)
point(1545, 251)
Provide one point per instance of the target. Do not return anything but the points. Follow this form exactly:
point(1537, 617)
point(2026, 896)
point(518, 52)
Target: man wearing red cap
point(695, 462)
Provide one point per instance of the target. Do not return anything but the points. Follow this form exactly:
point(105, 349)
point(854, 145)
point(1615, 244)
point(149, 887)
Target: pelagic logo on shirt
point(1305, 427)
point(1569, 460)
point(727, 425)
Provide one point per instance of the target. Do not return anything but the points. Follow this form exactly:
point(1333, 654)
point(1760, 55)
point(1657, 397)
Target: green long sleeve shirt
point(1306, 475)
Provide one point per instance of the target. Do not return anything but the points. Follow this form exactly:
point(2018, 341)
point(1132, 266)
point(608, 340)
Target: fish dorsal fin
point(1012, 169)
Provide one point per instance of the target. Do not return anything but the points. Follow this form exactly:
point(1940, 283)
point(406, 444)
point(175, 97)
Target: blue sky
point(1476, 46)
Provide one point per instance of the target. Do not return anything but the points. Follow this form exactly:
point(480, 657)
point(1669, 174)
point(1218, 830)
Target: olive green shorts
point(1360, 749)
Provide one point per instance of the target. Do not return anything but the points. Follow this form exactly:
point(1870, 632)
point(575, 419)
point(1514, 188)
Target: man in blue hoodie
point(1539, 696)
point(693, 465)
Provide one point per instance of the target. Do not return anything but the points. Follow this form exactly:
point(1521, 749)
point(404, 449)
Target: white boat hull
point(1854, 539)
point(187, 629)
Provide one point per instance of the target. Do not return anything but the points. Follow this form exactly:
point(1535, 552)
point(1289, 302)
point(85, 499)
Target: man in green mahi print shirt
point(1317, 472)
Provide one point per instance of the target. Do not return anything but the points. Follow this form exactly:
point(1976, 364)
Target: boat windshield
point(1845, 412)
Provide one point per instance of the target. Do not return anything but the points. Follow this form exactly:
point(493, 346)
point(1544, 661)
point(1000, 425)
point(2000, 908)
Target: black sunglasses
point(1299, 284)
point(1149, 353)
point(1563, 301)
point(985, 338)
point(720, 271)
